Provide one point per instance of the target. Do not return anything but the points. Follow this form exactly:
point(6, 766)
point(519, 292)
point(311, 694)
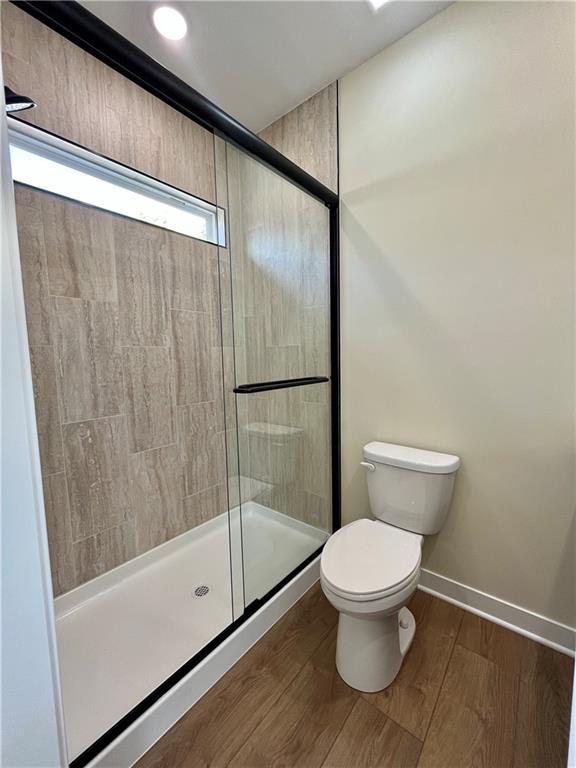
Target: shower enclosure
point(278, 377)
point(179, 283)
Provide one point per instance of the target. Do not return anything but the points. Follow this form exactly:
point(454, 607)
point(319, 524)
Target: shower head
point(15, 102)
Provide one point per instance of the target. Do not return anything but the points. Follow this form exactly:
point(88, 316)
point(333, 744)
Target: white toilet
point(370, 568)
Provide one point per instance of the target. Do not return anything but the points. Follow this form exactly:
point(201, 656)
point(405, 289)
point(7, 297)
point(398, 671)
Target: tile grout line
point(72, 565)
point(93, 418)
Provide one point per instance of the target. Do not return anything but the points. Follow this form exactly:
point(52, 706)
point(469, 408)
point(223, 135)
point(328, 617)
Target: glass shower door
point(280, 478)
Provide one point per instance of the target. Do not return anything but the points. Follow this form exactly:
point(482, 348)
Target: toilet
point(369, 569)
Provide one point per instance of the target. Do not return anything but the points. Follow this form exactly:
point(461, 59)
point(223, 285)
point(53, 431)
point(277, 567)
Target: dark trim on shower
point(335, 410)
point(335, 414)
point(85, 757)
point(267, 386)
point(79, 25)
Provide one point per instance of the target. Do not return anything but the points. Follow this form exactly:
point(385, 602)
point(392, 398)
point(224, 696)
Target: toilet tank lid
point(411, 458)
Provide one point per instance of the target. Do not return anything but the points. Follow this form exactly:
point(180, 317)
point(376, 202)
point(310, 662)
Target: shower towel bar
point(265, 386)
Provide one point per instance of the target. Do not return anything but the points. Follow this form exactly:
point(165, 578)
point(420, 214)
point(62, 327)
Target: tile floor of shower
point(125, 632)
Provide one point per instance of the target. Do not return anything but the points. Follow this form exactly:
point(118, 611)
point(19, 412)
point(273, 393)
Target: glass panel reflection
point(284, 461)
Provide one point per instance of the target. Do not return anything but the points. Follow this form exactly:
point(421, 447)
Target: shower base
point(123, 633)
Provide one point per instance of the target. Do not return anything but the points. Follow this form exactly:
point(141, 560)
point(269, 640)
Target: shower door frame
point(77, 24)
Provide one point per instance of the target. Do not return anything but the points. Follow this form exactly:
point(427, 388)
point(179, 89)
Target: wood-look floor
point(470, 693)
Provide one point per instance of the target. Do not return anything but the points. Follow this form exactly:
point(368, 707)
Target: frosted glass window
point(46, 162)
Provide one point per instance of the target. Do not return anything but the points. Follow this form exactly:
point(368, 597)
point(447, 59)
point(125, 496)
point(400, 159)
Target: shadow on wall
point(466, 371)
point(377, 271)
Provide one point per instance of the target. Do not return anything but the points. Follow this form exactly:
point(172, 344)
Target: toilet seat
point(369, 559)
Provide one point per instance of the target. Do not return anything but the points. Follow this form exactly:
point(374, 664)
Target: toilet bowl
point(370, 569)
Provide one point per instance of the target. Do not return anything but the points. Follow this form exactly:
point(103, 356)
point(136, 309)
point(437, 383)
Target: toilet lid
point(368, 559)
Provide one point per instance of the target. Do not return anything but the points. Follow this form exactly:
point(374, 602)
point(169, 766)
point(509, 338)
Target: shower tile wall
point(81, 99)
point(124, 332)
point(279, 240)
point(126, 342)
point(308, 135)
point(123, 320)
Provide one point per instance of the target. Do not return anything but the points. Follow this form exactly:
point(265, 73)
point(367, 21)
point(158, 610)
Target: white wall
point(31, 722)
point(457, 184)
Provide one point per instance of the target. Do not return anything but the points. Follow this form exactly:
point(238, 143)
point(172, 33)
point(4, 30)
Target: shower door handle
point(266, 386)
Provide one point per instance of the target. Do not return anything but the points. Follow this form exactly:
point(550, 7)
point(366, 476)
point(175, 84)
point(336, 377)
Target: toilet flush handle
point(367, 465)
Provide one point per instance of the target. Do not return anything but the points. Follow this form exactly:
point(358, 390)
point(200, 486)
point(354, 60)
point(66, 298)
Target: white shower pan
point(124, 633)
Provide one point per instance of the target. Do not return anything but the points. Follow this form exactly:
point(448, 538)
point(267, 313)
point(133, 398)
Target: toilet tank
point(408, 487)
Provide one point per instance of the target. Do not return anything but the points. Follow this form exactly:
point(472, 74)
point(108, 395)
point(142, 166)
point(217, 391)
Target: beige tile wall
point(127, 343)
point(288, 334)
point(308, 135)
point(279, 241)
point(124, 331)
point(80, 98)
point(123, 320)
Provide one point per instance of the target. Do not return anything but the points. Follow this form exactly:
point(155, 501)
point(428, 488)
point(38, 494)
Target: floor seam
point(340, 729)
point(271, 704)
point(391, 719)
point(441, 687)
point(281, 692)
point(400, 725)
point(495, 664)
point(516, 715)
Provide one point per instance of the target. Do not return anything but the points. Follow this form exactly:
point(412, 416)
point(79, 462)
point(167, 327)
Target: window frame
point(141, 189)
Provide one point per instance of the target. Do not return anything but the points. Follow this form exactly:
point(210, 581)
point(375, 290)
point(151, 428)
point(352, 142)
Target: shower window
point(49, 163)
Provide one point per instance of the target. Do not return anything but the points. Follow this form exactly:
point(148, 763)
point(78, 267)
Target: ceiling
point(258, 59)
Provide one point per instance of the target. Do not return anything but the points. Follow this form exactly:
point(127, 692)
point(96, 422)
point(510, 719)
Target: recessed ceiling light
point(377, 4)
point(170, 22)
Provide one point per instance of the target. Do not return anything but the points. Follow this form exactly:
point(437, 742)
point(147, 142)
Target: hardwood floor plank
point(539, 660)
point(497, 644)
point(410, 700)
point(544, 709)
point(213, 731)
point(474, 720)
point(284, 704)
point(369, 739)
point(431, 613)
point(301, 727)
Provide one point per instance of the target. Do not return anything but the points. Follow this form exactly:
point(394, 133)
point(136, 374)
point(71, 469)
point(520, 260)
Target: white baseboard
point(144, 732)
point(546, 631)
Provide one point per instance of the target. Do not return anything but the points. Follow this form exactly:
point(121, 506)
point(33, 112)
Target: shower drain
point(201, 590)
